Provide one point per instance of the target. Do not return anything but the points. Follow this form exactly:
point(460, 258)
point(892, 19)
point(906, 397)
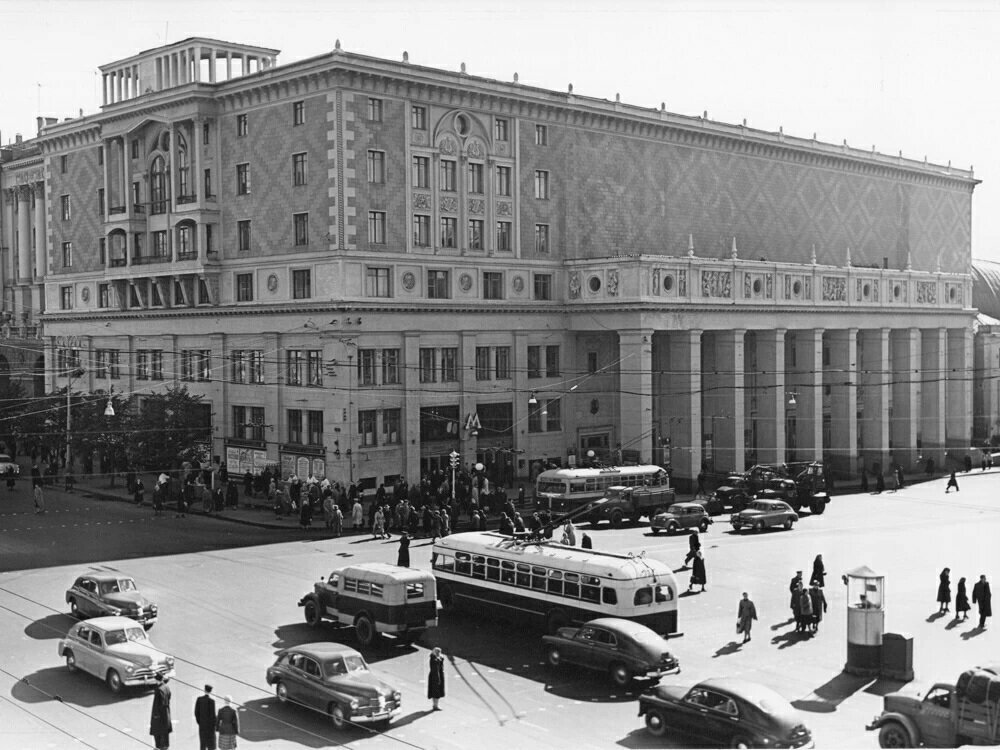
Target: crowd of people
point(982, 597)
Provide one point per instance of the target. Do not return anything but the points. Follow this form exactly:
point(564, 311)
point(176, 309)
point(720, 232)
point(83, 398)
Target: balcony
point(146, 260)
point(182, 199)
point(188, 255)
point(112, 210)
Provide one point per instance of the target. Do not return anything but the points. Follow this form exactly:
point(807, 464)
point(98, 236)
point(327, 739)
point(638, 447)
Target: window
point(503, 180)
point(591, 362)
point(248, 422)
point(366, 367)
point(244, 287)
point(102, 250)
point(65, 298)
point(298, 113)
point(302, 284)
point(63, 163)
point(449, 231)
point(390, 366)
point(482, 363)
point(314, 427)
point(108, 364)
point(243, 179)
point(541, 135)
point(428, 365)
point(247, 365)
point(149, 364)
point(137, 196)
point(367, 420)
point(196, 364)
point(205, 134)
point(185, 247)
point(67, 254)
point(208, 184)
point(159, 244)
point(449, 365)
point(243, 235)
point(534, 361)
point(374, 109)
point(421, 171)
point(543, 286)
point(448, 175)
point(504, 235)
point(314, 367)
point(475, 178)
point(301, 222)
point(376, 227)
point(66, 208)
point(500, 129)
point(541, 184)
point(541, 238)
point(100, 156)
point(294, 426)
point(421, 230)
point(100, 201)
point(553, 415)
point(142, 364)
point(476, 234)
point(376, 166)
point(535, 417)
point(304, 367)
point(241, 125)
point(66, 360)
point(300, 167)
point(391, 421)
point(104, 295)
point(377, 282)
point(418, 118)
point(438, 286)
point(552, 361)
point(209, 245)
point(492, 285)
point(503, 363)
point(135, 148)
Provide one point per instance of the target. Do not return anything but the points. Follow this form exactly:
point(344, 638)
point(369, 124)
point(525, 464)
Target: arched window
point(186, 249)
point(183, 173)
point(117, 249)
point(158, 188)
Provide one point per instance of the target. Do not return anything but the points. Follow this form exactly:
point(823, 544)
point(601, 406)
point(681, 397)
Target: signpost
point(453, 459)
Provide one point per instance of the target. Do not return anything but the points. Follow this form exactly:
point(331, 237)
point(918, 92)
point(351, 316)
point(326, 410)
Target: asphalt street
point(224, 612)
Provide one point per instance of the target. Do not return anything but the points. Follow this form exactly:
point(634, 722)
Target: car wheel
point(703, 526)
point(788, 524)
point(740, 741)
point(365, 630)
point(114, 681)
point(894, 734)
point(554, 620)
point(818, 507)
point(75, 609)
point(621, 675)
point(616, 519)
point(71, 661)
point(337, 716)
point(312, 615)
point(759, 526)
point(281, 692)
point(672, 528)
point(553, 657)
point(655, 724)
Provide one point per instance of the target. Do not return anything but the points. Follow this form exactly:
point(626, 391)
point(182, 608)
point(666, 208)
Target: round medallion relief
point(409, 281)
point(594, 284)
point(85, 294)
point(272, 283)
point(465, 282)
point(518, 284)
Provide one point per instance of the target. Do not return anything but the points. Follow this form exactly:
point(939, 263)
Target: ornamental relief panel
point(866, 290)
point(612, 283)
point(798, 287)
point(422, 201)
point(574, 285)
point(655, 282)
point(501, 148)
point(418, 137)
point(476, 149)
point(682, 283)
point(834, 289)
point(758, 285)
point(477, 206)
point(449, 203)
point(448, 147)
point(716, 284)
point(505, 208)
point(926, 293)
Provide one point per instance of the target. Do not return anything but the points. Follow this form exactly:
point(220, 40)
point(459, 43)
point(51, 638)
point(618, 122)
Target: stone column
point(41, 240)
point(229, 70)
point(211, 65)
point(874, 377)
point(24, 256)
point(771, 396)
point(6, 243)
point(681, 412)
point(904, 374)
point(842, 379)
point(934, 367)
point(635, 352)
point(804, 373)
point(723, 400)
point(958, 414)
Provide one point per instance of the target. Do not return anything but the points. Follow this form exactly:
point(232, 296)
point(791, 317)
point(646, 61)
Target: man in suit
point(160, 724)
point(982, 596)
point(204, 714)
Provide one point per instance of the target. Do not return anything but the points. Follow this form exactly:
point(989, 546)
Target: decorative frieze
point(505, 208)
point(449, 204)
point(574, 285)
point(717, 284)
point(834, 289)
point(866, 290)
point(926, 293)
point(477, 206)
point(422, 201)
point(612, 283)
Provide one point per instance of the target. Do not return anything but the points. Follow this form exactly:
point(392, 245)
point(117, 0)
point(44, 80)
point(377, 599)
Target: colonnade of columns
point(25, 224)
point(855, 398)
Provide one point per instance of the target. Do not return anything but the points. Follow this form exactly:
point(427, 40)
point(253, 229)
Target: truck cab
point(632, 503)
point(936, 717)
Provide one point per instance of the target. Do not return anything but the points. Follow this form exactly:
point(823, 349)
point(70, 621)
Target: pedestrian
point(698, 577)
point(328, 513)
point(900, 481)
point(895, 480)
point(305, 512)
point(793, 586)
point(944, 591)
point(204, 715)
point(745, 615)
point(961, 600)
point(569, 534)
point(11, 477)
point(378, 524)
point(403, 556)
point(694, 544)
point(879, 483)
point(864, 480)
point(228, 724)
point(435, 678)
point(357, 514)
point(520, 496)
point(585, 541)
point(819, 572)
point(819, 606)
point(36, 475)
point(140, 489)
point(39, 499)
point(701, 484)
point(952, 482)
point(797, 607)
point(158, 491)
point(337, 525)
point(981, 595)
point(805, 610)
point(160, 724)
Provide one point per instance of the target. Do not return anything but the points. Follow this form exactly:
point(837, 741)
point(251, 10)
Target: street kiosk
point(865, 621)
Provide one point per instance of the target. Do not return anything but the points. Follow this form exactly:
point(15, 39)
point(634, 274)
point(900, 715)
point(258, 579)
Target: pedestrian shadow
point(936, 616)
point(411, 717)
point(955, 622)
point(973, 633)
point(690, 593)
point(786, 640)
point(780, 625)
point(827, 697)
point(730, 648)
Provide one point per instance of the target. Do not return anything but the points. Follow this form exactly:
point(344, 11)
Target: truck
point(800, 485)
point(945, 714)
point(632, 503)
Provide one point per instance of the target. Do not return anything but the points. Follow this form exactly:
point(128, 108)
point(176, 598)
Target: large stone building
point(365, 265)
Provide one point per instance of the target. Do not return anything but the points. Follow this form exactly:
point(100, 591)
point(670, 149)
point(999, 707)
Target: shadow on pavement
point(780, 625)
point(936, 616)
point(973, 633)
point(827, 697)
point(49, 627)
point(267, 720)
point(296, 634)
point(786, 640)
point(884, 686)
point(79, 689)
point(732, 647)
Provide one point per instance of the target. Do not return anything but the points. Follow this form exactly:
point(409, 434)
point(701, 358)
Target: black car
point(725, 713)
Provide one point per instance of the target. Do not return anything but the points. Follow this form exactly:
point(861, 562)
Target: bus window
point(523, 574)
point(643, 596)
point(364, 587)
point(580, 486)
point(609, 596)
point(663, 594)
point(572, 587)
point(377, 590)
point(414, 590)
point(538, 578)
point(507, 572)
point(463, 563)
point(445, 562)
point(332, 581)
point(590, 591)
point(478, 566)
point(555, 582)
point(350, 584)
point(492, 569)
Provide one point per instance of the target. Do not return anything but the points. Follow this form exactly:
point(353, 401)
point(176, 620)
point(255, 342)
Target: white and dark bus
point(565, 490)
point(551, 585)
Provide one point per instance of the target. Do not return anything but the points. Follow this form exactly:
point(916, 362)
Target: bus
point(551, 585)
point(565, 490)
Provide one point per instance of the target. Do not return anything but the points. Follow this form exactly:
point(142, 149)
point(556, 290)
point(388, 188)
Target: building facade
point(364, 265)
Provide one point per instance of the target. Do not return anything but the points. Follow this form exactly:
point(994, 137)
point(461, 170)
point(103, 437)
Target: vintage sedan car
point(681, 516)
point(725, 498)
point(6, 464)
point(116, 650)
point(101, 594)
point(334, 679)
point(622, 649)
point(725, 713)
point(761, 514)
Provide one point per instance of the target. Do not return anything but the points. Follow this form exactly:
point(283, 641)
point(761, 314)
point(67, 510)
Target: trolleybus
point(565, 490)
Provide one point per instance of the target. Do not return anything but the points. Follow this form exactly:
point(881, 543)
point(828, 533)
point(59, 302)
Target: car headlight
point(396, 696)
point(170, 661)
point(130, 668)
point(354, 703)
point(115, 611)
point(152, 608)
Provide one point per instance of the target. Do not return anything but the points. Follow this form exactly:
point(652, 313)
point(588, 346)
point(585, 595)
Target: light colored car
point(6, 463)
point(762, 514)
point(681, 516)
point(335, 680)
point(116, 650)
point(102, 594)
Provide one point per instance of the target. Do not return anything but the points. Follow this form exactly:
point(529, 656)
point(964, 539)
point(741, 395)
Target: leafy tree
point(167, 429)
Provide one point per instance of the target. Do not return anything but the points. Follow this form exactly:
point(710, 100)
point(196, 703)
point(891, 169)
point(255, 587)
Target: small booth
point(865, 621)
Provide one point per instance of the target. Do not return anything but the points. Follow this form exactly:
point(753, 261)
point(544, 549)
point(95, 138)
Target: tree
point(168, 429)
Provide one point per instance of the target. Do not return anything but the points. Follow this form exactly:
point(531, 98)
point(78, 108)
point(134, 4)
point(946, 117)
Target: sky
point(915, 76)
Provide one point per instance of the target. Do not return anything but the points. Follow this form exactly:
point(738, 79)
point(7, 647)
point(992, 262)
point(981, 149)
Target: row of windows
point(524, 575)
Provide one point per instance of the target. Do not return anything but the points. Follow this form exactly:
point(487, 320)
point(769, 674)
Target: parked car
point(725, 713)
point(725, 498)
point(681, 516)
point(102, 594)
point(761, 514)
point(6, 463)
point(334, 679)
point(622, 649)
point(116, 650)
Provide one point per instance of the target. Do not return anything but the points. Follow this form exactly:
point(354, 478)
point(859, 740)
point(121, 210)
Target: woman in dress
point(228, 724)
point(698, 577)
point(818, 576)
point(944, 591)
point(435, 678)
point(961, 600)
